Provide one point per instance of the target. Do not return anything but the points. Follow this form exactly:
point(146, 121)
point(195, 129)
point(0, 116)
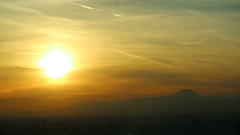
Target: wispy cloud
point(28, 68)
point(20, 8)
point(91, 8)
point(201, 15)
point(143, 58)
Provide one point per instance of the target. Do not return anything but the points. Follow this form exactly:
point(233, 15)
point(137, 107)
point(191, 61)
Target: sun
point(56, 63)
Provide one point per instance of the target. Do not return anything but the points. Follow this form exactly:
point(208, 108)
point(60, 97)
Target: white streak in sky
point(19, 8)
point(198, 14)
point(143, 58)
point(91, 8)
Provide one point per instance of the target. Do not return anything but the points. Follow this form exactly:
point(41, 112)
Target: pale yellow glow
point(56, 63)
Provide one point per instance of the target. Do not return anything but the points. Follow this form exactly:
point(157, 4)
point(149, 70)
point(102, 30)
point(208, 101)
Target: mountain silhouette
point(185, 101)
point(186, 93)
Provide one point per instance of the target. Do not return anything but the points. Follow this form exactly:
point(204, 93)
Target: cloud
point(15, 6)
point(190, 80)
point(199, 14)
point(16, 78)
point(151, 78)
point(27, 68)
point(91, 8)
point(143, 58)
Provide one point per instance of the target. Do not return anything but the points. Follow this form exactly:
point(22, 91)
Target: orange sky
point(120, 50)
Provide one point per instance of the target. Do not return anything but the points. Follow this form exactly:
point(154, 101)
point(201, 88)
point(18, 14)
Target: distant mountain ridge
point(187, 92)
point(183, 102)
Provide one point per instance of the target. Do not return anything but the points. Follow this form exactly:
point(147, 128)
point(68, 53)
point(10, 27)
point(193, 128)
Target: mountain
point(183, 102)
point(185, 93)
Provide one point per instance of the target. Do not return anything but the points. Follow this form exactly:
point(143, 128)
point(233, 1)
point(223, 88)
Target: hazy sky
point(121, 49)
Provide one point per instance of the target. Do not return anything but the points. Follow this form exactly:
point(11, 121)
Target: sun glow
point(56, 63)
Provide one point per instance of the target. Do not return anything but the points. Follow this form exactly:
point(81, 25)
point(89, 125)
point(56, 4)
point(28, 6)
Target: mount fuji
point(185, 101)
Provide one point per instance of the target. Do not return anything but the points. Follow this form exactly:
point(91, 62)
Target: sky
point(121, 49)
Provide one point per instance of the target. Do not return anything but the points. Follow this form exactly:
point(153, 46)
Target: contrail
point(143, 58)
point(91, 8)
point(197, 13)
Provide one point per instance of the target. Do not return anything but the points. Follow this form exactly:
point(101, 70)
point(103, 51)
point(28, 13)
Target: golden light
point(56, 63)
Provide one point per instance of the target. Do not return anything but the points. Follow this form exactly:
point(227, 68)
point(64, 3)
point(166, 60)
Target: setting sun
point(56, 63)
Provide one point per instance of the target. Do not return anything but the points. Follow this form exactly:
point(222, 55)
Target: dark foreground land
point(201, 124)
